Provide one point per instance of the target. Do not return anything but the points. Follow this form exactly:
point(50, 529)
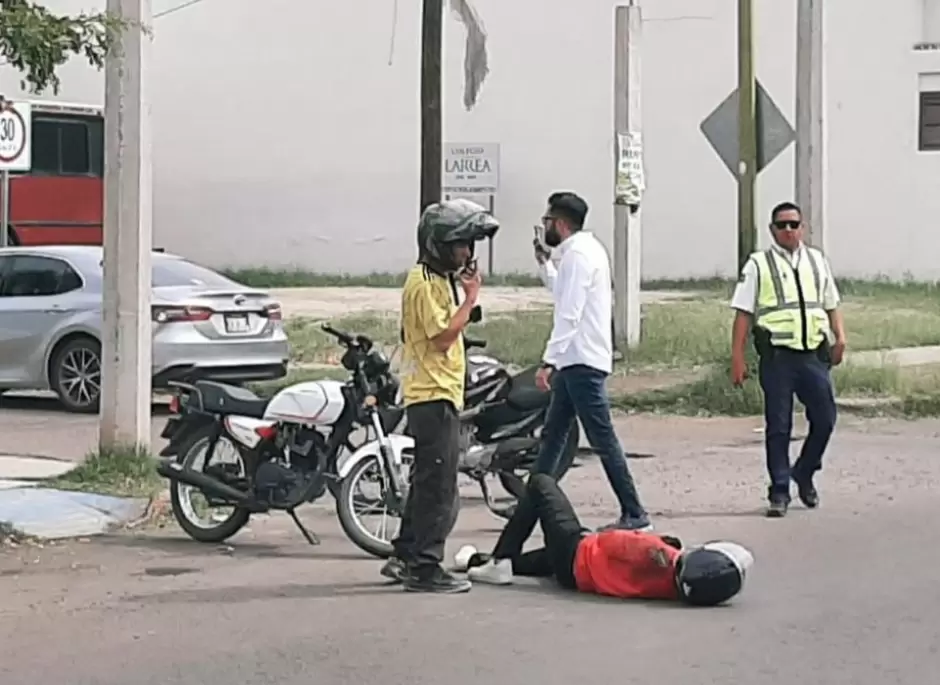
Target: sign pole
point(489, 246)
point(809, 181)
point(126, 369)
point(432, 27)
point(747, 134)
point(5, 208)
point(627, 126)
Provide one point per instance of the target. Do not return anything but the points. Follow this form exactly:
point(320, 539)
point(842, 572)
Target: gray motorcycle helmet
point(452, 221)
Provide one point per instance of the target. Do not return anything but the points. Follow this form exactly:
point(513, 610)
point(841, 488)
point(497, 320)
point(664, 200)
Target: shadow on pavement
point(255, 550)
point(250, 593)
point(50, 404)
point(706, 514)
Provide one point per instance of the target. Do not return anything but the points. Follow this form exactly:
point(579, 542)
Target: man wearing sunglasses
point(786, 298)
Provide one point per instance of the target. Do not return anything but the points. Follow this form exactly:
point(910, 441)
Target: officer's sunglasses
point(788, 225)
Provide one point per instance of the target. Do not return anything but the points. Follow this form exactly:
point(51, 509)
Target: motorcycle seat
point(228, 400)
point(524, 395)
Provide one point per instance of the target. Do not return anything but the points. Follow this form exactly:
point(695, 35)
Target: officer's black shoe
point(434, 579)
point(807, 492)
point(778, 507)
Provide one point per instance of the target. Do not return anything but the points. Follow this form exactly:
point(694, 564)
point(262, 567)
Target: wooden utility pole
point(432, 26)
point(627, 121)
point(747, 133)
point(809, 182)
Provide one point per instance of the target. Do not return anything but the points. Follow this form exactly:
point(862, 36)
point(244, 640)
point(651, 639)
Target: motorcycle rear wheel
point(515, 485)
point(181, 494)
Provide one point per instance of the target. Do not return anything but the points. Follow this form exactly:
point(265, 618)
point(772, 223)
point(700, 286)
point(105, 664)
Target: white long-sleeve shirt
point(583, 305)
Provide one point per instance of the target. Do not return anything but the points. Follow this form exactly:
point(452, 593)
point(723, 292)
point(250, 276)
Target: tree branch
point(37, 42)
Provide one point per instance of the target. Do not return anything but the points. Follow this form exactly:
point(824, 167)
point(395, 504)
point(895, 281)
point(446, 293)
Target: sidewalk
point(53, 514)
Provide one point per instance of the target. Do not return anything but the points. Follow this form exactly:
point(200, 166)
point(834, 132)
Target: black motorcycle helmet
point(452, 222)
point(713, 573)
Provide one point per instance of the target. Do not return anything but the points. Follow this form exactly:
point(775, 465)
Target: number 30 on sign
point(15, 136)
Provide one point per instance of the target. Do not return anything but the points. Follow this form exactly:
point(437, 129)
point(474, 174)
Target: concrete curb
point(51, 514)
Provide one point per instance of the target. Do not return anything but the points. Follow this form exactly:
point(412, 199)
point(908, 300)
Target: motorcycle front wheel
point(363, 493)
point(515, 484)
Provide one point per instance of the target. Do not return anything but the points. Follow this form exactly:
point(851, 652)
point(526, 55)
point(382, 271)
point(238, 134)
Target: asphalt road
point(846, 594)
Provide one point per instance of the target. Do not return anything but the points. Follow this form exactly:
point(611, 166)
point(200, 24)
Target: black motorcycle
point(501, 425)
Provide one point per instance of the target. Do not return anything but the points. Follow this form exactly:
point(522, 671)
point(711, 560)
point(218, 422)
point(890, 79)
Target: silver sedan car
point(204, 325)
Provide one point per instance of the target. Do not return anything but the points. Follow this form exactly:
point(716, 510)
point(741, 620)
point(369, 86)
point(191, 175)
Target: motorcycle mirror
point(476, 314)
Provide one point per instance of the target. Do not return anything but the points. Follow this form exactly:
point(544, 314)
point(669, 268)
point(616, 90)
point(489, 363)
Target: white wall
point(283, 136)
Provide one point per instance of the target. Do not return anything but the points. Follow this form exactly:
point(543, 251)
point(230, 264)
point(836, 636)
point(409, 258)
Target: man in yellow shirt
point(433, 370)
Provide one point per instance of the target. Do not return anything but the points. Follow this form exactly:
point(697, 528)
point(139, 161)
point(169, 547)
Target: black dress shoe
point(434, 580)
point(778, 507)
point(807, 493)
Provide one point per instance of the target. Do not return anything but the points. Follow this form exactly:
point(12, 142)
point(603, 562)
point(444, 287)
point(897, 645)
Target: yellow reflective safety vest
point(789, 299)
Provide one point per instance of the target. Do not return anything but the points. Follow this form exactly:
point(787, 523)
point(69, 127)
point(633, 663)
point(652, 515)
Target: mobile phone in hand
point(469, 269)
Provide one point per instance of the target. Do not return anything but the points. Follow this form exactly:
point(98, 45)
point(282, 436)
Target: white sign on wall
point(471, 168)
point(15, 152)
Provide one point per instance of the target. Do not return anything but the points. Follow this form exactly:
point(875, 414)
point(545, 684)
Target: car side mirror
point(476, 314)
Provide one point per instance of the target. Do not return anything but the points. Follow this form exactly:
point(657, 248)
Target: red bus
point(60, 200)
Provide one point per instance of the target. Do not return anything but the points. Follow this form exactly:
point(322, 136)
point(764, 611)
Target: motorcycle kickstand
point(501, 512)
point(308, 535)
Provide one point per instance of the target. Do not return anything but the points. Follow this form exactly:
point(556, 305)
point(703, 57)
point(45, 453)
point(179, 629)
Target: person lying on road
point(614, 562)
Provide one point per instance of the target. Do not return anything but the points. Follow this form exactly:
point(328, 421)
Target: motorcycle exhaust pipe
point(175, 471)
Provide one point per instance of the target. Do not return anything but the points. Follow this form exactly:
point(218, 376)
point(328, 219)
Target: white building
point(286, 133)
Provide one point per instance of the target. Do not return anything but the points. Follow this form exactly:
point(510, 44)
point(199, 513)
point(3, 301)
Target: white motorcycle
point(289, 450)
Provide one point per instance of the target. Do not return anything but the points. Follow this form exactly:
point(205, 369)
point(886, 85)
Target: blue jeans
point(782, 375)
point(581, 391)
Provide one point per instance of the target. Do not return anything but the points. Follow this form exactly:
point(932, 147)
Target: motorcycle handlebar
point(470, 343)
point(344, 338)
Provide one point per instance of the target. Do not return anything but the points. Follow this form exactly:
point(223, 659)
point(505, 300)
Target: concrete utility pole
point(747, 133)
point(128, 218)
point(809, 182)
point(432, 28)
point(627, 120)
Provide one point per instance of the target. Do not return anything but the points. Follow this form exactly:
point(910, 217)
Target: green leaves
point(37, 42)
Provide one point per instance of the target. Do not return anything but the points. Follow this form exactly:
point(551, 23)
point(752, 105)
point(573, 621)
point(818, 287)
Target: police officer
point(787, 299)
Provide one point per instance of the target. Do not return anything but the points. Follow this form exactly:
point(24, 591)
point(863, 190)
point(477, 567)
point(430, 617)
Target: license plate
point(237, 323)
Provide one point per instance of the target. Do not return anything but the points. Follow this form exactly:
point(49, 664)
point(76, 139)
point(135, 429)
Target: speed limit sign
point(15, 133)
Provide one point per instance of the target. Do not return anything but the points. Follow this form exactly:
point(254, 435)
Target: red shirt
point(626, 563)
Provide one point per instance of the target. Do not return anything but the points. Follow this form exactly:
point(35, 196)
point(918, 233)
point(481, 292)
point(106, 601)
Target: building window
point(70, 147)
point(929, 125)
point(930, 25)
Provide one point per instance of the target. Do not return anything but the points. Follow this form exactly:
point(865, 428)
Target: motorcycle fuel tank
point(318, 403)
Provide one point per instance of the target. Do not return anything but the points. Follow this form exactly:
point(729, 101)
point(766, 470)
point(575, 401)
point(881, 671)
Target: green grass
point(879, 286)
point(122, 471)
point(301, 278)
point(10, 535)
point(694, 335)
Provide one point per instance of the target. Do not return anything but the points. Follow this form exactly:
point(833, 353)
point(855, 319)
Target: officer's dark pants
point(433, 502)
point(784, 373)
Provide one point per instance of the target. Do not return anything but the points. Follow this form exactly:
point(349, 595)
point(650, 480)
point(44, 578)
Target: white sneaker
point(493, 572)
point(462, 558)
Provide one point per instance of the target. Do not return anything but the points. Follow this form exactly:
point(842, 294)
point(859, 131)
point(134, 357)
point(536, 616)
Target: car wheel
point(75, 375)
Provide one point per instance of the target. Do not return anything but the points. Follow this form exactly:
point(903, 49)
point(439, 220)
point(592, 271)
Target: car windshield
point(170, 273)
